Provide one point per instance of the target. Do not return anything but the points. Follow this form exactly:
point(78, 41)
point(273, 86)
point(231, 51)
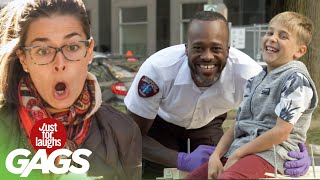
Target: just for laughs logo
point(48, 137)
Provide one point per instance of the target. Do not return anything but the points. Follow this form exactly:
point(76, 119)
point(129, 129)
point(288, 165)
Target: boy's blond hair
point(297, 23)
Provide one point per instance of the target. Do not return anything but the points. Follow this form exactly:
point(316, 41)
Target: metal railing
point(249, 39)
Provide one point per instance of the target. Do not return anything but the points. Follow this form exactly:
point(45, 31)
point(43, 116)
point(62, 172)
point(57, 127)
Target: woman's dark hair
point(15, 20)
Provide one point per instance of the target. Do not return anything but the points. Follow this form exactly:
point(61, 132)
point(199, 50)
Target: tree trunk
point(311, 59)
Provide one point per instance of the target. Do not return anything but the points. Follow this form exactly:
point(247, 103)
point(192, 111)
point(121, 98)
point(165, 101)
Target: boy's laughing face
point(279, 46)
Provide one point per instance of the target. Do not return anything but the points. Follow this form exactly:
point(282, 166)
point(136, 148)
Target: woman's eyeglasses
point(43, 55)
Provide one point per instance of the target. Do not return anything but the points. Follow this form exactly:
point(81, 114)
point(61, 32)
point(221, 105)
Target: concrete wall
point(105, 24)
point(93, 10)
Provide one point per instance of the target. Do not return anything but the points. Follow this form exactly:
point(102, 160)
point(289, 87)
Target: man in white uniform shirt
point(184, 91)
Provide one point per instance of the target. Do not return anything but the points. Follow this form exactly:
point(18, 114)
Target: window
point(133, 30)
point(188, 10)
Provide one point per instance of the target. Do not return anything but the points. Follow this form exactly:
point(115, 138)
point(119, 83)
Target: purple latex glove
point(189, 162)
point(300, 166)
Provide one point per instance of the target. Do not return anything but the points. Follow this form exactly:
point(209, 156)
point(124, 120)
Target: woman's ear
point(22, 57)
point(300, 52)
point(90, 51)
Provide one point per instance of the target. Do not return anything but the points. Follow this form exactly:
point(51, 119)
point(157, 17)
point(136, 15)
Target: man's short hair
point(209, 16)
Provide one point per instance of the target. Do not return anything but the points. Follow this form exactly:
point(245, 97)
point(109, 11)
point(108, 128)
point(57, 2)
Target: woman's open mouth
point(60, 90)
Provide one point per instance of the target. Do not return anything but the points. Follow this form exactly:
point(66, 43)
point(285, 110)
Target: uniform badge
point(147, 87)
point(265, 91)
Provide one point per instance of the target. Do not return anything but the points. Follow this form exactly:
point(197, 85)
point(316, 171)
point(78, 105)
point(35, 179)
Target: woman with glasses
point(45, 49)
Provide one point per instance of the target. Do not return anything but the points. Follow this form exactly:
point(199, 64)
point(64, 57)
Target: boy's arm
point(225, 142)
point(274, 136)
point(215, 166)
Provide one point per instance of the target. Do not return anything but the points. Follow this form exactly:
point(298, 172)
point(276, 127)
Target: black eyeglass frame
point(57, 49)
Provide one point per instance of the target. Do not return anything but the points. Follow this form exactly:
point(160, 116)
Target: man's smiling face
point(207, 50)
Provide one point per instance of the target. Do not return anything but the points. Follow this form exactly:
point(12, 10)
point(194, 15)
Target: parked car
point(114, 74)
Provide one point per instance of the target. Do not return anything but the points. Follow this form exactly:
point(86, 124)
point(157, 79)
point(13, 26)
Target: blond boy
point(276, 109)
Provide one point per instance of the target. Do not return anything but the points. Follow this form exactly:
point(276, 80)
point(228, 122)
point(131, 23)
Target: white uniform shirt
point(178, 100)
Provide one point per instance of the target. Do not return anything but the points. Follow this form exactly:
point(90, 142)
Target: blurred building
point(146, 26)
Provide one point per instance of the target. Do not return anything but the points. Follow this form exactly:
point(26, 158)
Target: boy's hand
point(231, 161)
point(215, 167)
point(300, 166)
